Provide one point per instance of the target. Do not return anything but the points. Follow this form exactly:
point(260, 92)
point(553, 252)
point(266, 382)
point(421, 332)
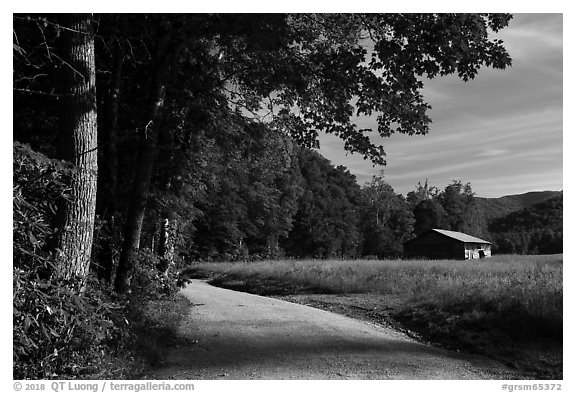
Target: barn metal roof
point(460, 236)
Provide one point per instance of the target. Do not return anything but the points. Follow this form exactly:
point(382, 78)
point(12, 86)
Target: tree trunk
point(78, 145)
point(165, 55)
point(273, 246)
point(167, 245)
point(143, 177)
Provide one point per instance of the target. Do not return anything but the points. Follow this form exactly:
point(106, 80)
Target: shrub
point(38, 185)
point(58, 331)
point(148, 282)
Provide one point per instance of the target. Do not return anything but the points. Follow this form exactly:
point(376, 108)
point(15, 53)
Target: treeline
point(274, 199)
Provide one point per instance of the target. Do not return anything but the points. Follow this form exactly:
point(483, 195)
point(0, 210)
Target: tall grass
point(525, 286)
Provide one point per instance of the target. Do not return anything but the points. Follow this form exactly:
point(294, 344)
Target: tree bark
point(166, 246)
point(78, 145)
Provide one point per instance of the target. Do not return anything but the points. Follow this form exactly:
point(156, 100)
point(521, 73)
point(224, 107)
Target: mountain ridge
point(530, 197)
point(504, 205)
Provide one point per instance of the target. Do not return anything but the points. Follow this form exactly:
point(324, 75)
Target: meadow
point(532, 284)
point(508, 307)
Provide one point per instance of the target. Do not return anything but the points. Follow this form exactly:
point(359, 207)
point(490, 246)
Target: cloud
point(528, 34)
point(488, 152)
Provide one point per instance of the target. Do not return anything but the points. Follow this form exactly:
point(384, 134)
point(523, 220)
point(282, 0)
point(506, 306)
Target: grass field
point(507, 307)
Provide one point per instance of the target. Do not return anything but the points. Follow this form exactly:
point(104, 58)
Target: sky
point(502, 131)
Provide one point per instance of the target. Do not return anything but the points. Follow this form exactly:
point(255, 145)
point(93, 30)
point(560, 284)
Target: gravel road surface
point(235, 335)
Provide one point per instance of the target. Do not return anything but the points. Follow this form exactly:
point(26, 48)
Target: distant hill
point(500, 207)
point(531, 198)
point(529, 223)
point(545, 215)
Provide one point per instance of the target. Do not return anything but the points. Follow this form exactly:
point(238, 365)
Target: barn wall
point(473, 250)
point(435, 246)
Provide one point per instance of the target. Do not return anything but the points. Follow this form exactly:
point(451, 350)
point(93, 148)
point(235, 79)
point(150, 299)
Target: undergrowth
point(69, 329)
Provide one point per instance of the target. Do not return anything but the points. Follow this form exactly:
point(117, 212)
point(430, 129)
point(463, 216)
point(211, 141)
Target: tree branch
point(28, 91)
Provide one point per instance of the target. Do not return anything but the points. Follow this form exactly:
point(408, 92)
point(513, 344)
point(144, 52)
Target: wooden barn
point(443, 244)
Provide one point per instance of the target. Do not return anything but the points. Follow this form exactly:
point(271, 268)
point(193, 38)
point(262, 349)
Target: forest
point(143, 142)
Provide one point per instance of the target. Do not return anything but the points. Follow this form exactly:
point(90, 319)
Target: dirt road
point(242, 336)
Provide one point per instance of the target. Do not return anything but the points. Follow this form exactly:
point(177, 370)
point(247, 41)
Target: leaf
point(27, 323)
point(46, 334)
point(17, 48)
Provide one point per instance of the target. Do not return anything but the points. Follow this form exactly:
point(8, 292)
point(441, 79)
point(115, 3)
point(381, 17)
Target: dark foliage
point(429, 214)
point(149, 282)
point(38, 184)
point(326, 224)
point(248, 196)
point(58, 331)
point(387, 220)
